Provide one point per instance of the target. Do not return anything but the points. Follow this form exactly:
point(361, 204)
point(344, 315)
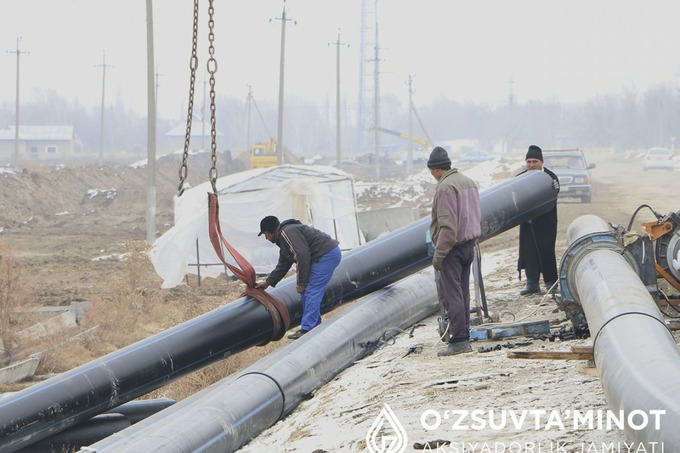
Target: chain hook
point(193, 64)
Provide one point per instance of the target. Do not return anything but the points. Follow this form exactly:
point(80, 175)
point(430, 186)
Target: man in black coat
point(537, 236)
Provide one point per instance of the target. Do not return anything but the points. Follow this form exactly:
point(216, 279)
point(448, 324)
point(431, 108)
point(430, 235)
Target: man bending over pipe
point(316, 255)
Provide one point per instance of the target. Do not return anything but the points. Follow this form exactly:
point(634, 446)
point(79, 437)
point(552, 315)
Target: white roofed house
point(38, 143)
point(173, 140)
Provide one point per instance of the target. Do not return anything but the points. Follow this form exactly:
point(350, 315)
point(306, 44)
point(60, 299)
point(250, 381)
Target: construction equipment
point(424, 142)
point(665, 233)
point(263, 155)
point(661, 241)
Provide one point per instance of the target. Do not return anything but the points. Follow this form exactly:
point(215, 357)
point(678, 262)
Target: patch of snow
point(62, 213)
point(112, 257)
point(110, 194)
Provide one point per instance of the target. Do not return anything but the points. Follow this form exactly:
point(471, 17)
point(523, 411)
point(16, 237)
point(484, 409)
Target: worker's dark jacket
point(537, 241)
point(300, 244)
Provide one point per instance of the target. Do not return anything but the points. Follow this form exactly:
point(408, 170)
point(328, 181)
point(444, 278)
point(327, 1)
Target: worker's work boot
point(459, 347)
point(297, 334)
point(532, 288)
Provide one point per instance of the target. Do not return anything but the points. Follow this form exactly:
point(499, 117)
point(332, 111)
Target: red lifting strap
point(245, 272)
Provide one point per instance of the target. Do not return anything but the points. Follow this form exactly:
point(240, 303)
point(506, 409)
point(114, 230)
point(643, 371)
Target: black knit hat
point(268, 224)
point(534, 152)
point(439, 158)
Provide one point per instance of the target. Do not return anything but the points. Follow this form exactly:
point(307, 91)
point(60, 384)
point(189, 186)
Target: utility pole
point(152, 87)
point(511, 103)
point(409, 156)
point(101, 117)
point(158, 84)
point(248, 104)
point(338, 158)
point(279, 138)
point(18, 52)
point(376, 94)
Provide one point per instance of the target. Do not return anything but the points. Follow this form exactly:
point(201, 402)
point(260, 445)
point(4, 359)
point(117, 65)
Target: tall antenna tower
point(367, 45)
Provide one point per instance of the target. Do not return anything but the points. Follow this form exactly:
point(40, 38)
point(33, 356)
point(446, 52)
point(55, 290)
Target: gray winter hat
point(439, 158)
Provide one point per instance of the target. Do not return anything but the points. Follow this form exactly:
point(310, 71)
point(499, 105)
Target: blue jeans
point(319, 276)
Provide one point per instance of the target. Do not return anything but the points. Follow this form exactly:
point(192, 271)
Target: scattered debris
point(565, 333)
point(508, 345)
point(430, 444)
point(417, 349)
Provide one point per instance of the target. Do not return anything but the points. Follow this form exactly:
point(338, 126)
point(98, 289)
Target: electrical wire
point(632, 219)
point(670, 305)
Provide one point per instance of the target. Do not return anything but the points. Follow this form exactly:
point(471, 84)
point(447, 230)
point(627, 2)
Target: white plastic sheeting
point(316, 195)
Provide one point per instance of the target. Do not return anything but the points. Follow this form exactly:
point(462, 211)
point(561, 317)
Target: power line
point(279, 138)
point(101, 119)
point(18, 53)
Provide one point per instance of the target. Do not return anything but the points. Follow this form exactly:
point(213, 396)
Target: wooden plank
point(673, 324)
point(588, 349)
point(550, 355)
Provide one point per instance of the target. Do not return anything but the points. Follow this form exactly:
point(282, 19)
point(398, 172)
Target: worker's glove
point(556, 184)
point(262, 285)
point(300, 289)
point(676, 263)
point(437, 261)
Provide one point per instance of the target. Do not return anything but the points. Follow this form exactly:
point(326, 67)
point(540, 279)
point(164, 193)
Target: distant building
point(200, 136)
point(39, 143)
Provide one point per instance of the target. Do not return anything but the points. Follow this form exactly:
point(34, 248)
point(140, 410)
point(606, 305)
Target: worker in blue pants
point(319, 276)
point(316, 255)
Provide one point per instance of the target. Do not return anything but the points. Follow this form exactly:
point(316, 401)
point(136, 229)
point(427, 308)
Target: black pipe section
point(51, 406)
point(136, 411)
point(86, 433)
point(100, 426)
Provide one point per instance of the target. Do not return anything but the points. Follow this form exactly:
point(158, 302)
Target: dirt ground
point(68, 228)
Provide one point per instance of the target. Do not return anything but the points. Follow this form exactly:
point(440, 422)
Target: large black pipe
point(228, 414)
point(99, 427)
point(63, 401)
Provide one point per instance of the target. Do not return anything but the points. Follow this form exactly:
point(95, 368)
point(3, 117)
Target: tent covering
point(320, 196)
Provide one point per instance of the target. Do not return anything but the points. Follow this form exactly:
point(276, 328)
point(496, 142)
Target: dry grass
point(207, 376)
point(129, 310)
point(133, 308)
point(14, 295)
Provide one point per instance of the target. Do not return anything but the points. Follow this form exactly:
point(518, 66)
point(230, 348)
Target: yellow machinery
point(263, 155)
point(424, 143)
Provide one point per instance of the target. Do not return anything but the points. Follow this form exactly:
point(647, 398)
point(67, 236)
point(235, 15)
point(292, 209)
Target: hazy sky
point(462, 50)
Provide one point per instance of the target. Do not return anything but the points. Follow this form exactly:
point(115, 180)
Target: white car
point(658, 158)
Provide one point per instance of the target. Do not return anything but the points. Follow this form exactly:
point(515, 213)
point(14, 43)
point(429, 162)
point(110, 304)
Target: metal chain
point(212, 69)
point(193, 64)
